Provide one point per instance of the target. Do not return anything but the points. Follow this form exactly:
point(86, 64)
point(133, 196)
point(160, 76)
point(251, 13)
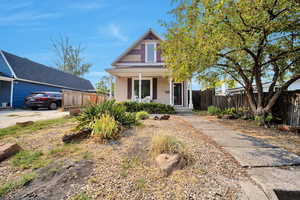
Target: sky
point(105, 28)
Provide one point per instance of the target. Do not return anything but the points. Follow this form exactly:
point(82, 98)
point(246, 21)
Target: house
point(19, 77)
point(231, 91)
point(141, 75)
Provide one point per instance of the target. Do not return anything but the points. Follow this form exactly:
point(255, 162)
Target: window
point(146, 88)
point(150, 52)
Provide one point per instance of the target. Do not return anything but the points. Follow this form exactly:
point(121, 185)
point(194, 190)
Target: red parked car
point(51, 100)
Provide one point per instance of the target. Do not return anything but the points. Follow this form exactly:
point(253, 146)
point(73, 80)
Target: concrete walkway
point(11, 117)
point(261, 160)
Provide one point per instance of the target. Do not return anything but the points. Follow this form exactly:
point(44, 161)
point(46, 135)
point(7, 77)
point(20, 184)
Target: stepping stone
point(263, 157)
point(9, 149)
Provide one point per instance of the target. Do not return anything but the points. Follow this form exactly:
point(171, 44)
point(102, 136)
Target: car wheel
point(53, 106)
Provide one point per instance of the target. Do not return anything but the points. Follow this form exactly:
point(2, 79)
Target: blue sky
point(104, 27)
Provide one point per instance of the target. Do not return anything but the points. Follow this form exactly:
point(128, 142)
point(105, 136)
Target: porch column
point(191, 106)
point(11, 93)
point(171, 91)
point(140, 87)
point(111, 87)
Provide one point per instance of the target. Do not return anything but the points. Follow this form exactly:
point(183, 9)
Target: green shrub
point(152, 108)
point(105, 128)
point(93, 112)
point(28, 159)
point(213, 110)
point(142, 115)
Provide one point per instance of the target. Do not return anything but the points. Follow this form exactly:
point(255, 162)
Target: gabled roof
point(150, 31)
point(27, 70)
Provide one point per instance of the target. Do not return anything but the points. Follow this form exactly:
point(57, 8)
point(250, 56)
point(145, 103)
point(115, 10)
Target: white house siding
point(163, 95)
point(121, 89)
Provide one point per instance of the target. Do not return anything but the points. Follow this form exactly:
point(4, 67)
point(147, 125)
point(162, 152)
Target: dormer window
point(150, 52)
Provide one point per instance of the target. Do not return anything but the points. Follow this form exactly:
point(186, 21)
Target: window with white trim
point(146, 87)
point(150, 52)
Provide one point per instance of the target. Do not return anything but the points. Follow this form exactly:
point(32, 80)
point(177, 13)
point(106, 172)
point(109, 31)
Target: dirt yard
point(122, 169)
point(286, 140)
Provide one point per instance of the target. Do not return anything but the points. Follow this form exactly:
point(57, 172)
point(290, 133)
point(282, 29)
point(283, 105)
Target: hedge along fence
point(77, 99)
point(287, 107)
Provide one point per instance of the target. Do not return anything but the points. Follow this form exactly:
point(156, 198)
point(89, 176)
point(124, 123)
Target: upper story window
point(150, 52)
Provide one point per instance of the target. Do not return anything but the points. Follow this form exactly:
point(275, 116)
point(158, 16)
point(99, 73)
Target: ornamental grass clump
point(93, 113)
point(166, 144)
point(105, 128)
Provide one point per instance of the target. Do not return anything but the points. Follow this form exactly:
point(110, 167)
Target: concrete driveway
point(11, 117)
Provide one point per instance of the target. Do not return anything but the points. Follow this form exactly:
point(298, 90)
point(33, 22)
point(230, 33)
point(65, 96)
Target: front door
point(178, 94)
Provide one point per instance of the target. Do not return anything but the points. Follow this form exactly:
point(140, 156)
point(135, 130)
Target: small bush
point(93, 112)
point(105, 128)
point(28, 159)
point(10, 186)
point(142, 115)
point(166, 144)
point(152, 108)
point(213, 110)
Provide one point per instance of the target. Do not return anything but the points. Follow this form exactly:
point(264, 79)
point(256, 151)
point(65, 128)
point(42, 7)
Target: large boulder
point(9, 149)
point(170, 162)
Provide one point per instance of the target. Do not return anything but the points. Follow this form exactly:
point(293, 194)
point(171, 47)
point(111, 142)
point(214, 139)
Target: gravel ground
point(124, 170)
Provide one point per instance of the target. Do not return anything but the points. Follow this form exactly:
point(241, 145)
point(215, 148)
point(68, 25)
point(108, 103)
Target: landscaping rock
point(228, 117)
point(170, 162)
point(284, 127)
point(83, 134)
point(165, 117)
point(75, 112)
point(8, 150)
point(23, 124)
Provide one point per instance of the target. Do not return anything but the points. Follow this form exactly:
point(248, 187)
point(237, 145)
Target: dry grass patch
point(166, 144)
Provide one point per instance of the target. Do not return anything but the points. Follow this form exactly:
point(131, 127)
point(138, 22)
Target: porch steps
point(183, 109)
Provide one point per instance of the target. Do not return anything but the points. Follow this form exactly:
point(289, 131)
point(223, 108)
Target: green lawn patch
point(10, 186)
point(18, 130)
point(29, 159)
point(81, 196)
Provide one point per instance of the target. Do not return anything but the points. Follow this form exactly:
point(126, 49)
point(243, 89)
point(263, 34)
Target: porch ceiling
point(134, 71)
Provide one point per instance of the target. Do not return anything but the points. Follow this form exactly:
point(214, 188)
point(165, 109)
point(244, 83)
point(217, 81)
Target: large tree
point(69, 57)
point(104, 85)
point(250, 42)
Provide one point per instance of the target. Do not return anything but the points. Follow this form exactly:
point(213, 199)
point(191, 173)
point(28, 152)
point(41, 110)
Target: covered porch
point(150, 84)
point(6, 92)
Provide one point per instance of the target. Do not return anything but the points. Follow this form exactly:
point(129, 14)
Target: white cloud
point(114, 31)
point(84, 5)
point(12, 5)
point(23, 17)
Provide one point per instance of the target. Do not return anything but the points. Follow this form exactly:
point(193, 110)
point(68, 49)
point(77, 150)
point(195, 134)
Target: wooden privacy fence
point(287, 107)
point(77, 99)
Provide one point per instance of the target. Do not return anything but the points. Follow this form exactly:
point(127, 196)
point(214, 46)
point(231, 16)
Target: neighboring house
point(19, 77)
point(293, 87)
point(141, 75)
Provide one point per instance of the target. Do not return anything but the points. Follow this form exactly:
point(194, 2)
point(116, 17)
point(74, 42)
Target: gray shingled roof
point(30, 70)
